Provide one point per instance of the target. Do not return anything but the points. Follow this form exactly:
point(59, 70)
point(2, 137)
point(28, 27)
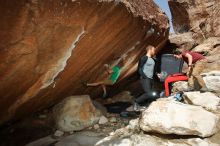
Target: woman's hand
point(159, 75)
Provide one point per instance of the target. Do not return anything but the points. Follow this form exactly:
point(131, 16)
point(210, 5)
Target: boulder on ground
point(207, 100)
point(75, 113)
point(170, 117)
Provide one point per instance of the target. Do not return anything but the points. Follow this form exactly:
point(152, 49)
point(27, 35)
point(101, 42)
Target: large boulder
point(207, 100)
point(75, 113)
point(202, 17)
point(48, 48)
point(171, 117)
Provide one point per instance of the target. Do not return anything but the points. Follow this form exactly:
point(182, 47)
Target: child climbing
point(113, 72)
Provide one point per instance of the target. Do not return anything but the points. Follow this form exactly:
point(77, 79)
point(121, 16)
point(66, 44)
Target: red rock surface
point(48, 47)
point(199, 16)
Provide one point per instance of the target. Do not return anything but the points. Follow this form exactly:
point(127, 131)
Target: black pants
point(147, 85)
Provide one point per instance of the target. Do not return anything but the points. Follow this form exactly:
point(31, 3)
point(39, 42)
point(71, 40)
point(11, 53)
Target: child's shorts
point(108, 82)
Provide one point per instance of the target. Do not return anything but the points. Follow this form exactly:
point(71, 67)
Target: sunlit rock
point(171, 117)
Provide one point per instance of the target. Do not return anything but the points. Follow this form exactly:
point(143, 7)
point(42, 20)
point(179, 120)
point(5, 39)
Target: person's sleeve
point(156, 67)
point(141, 63)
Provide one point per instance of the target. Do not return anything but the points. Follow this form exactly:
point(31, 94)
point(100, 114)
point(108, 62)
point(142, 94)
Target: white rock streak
point(54, 72)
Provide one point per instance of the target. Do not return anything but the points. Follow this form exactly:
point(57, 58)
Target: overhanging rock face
point(199, 16)
point(49, 47)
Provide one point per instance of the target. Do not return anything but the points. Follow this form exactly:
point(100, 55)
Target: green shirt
point(116, 73)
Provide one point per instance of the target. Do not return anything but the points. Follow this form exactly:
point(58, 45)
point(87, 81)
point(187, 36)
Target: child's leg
point(104, 90)
point(94, 84)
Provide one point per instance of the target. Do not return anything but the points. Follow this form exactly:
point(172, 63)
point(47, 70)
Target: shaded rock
point(134, 125)
point(130, 129)
point(103, 120)
point(198, 16)
point(100, 107)
point(75, 113)
point(170, 117)
point(48, 48)
point(42, 116)
point(207, 100)
point(124, 96)
point(180, 86)
point(80, 139)
point(96, 126)
point(212, 80)
point(113, 120)
point(215, 138)
point(45, 141)
point(58, 133)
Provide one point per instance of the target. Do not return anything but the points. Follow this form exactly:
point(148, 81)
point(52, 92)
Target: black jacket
point(141, 64)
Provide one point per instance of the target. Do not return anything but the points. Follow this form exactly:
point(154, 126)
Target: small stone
point(71, 132)
point(11, 130)
point(96, 126)
point(103, 120)
point(113, 120)
point(58, 133)
point(42, 116)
